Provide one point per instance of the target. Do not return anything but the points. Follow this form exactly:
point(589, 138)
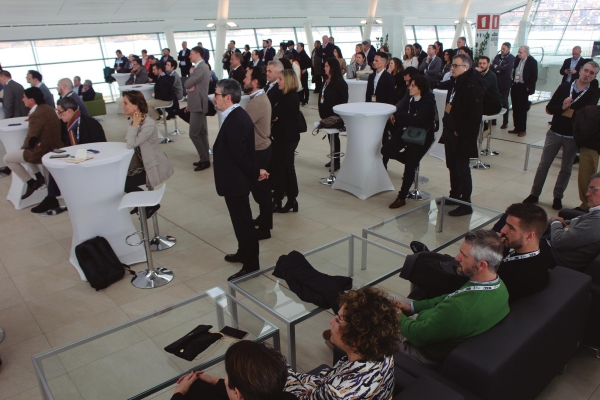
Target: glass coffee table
point(345, 257)
point(430, 224)
point(129, 360)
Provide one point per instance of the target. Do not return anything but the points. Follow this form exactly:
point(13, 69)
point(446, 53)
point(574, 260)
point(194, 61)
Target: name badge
point(568, 113)
point(373, 98)
point(322, 99)
point(448, 108)
point(182, 63)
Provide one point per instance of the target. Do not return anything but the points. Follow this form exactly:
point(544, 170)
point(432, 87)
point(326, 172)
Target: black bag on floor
point(99, 263)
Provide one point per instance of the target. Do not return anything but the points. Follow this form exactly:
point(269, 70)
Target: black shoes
point(291, 204)
point(202, 165)
point(49, 203)
point(151, 210)
point(504, 126)
point(262, 235)
point(6, 171)
point(241, 273)
point(33, 185)
point(276, 205)
point(557, 204)
point(460, 211)
point(418, 247)
point(531, 199)
point(232, 258)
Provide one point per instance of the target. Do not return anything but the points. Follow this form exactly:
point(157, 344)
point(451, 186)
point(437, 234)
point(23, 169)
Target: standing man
point(197, 88)
point(256, 60)
point(34, 78)
point(566, 101)
point(326, 51)
point(13, 96)
point(171, 70)
point(502, 67)
point(571, 67)
point(492, 101)
point(290, 48)
point(305, 64)
point(65, 89)
point(259, 110)
point(227, 55)
point(237, 71)
point(525, 76)
point(460, 42)
point(462, 119)
point(272, 88)
point(166, 55)
point(122, 63)
point(77, 86)
point(267, 53)
point(369, 52)
point(184, 60)
point(235, 172)
point(332, 42)
point(431, 66)
point(421, 55)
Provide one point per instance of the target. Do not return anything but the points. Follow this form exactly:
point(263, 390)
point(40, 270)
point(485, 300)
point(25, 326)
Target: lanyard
point(580, 94)
point(471, 288)
point(452, 96)
point(510, 256)
point(323, 90)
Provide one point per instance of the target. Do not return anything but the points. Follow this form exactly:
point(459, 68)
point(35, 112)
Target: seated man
point(171, 70)
point(139, 73)
point(43, 135)
point(254, 371)
point(575, 243)
point(87, 92)
point(75, 129)
point(446, 321)
point(164, 93)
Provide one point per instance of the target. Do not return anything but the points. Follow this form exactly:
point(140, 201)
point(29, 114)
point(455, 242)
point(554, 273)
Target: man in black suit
point(460, 42)
point(305, 64)
point(184, 60)
point(272, 90)
point(502, 66)
point(332, 42)
point(231, 49)
point(236, 169)
point(571, 66)
point(255, 60)
point(237, 71)
point(166, 55)
point(369, 52)
point(326, 50)
point(525, 75)
point(267, 53)
point(290, 48)
point(380, 89)
point(421, 55)
point(206, 55)
point(164, 91)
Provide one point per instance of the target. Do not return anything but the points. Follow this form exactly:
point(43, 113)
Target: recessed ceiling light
point(456, 22)
point(379, 21)
point(364, 21)
point(210, 25)
point(232, 24)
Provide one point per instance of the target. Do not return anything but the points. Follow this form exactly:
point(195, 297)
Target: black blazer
point(163, 90)
point(164, 59)
point(89, 95)
point(274, 94)
point(239, 74)
point(335, 93)
point(184, 55)
point(530, 72)
point(567, 65)
point(259, 64)
point(422, 55)
point(125, 65)
point(247, 56)
point(503, 67)
point(326, 53)
point(286, 111)
point(234, 164)
point(371, 56)
point(304, 60)
point(385, 92)
point(90, 131)
point(267, 55)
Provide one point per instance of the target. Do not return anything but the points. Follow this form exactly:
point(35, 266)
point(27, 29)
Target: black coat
point(371, 56)
point(286, 111)
point(567, 65)
point(422, 55)
point(586, 128)
point(184, 55)
point(235, 165)
point(267, 55)
point(304, 60)
point(503, 67)
point(564, 125)
point(530, 73)
point(163, 89)
point(164, 59)
point(326, 53)
point(400, 86)
point(247, 56)
point(385, 92)
point(125, 65)
point(274, 94)
point(492, 99)
point(335, 93)
point(465, 114)
point(88, 95)
point(90, 131)
point(239, 74)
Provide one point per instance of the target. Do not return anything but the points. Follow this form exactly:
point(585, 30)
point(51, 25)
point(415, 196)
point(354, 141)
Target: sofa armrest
point(426, 388)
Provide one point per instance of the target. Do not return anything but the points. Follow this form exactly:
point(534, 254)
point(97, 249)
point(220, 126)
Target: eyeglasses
point(458, 65)
point(218, 94)
point(593, 188)
point(58, 112)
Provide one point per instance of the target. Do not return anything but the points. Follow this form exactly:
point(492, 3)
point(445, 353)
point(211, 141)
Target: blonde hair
point(290, 81)
point(360, 45)
point(412, 52)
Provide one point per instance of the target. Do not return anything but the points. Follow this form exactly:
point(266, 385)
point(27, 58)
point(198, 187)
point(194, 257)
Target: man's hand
point(191, 89)
point(403, 306)
point(184, 383)
point(393, 119)
point(561, 220)
point(185, 110)
point(567, 103)
point(263, 175)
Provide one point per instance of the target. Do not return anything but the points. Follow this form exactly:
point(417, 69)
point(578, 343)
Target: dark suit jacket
point(43, 134)
point(422, 55)
point(335, 94)
point(239, 74)
point(163, 89)
point(124, 64)
point(235, 165)
point(90, 131)
point(567, 65)
point(206, 55)
point(503, 68)
point(274, 94)
point(88, 95)
point(259, 64)
point(227, 58)
point(530, 72)
point(266, 55)
point(371, 56)
point(164, 59)
point(304, 59)
point(13, 100)
point(285, 129)
point(184, 55)
point(385, 92)
point(326, 53)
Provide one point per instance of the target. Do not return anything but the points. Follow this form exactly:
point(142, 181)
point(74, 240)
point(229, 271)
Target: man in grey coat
point(13, 96)
point(34, 78)
point(171, 70)
point(431, 66)
point(139, 73)
point(197, 88)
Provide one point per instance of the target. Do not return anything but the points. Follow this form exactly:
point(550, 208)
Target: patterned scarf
point(73, 128)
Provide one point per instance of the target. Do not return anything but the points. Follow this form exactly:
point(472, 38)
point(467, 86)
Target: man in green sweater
point(446, 321)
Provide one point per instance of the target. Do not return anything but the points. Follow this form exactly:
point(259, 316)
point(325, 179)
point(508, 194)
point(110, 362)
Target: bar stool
point(157, 242)
point(333, 155)
point(151, 277)
point(416, 194)
point(478, 164)
point(165, 139)
point(176, 132)
point(488, 151)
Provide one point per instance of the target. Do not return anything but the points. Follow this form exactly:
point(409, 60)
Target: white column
point(523, 32)
point(221, 27)
point(171, 43)
point(370, 19)
point(308, 46)
point(462, 21)
point(394, 27)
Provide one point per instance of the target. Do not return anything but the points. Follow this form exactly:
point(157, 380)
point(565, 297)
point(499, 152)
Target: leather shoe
point(522, 134)
point(32, 186)
point(513, 131)
point(418, 247)
point(241, 273)
point(49, 203)
point(398, 203)
point(202, 166)
point(460, 211)
point(557, 204)
point(504, 126)
point(232, 258)
point(531, 199)
point(262, 235)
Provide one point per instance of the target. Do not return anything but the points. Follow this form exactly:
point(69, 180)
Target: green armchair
point(97, 106)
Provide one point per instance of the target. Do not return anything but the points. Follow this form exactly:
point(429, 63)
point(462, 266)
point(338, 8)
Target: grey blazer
point(13, 100)
point(431, 70)
point(140, 77)
point(48, 97)
point(157, 165)
point(198, 99)
point(177, 87)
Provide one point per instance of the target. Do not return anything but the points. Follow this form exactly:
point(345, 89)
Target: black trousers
point(261, 192)
point(520, 105)
point(505, 93)
point(133, 183)
point(243, 226)
point(205, 391)
point(283, 174)
point(318, 83)
point(53, 190)
point(461, 183)
point(305, 91)
point(336, 144)
point(185, 70)
point(411, 157)
point(389, 130)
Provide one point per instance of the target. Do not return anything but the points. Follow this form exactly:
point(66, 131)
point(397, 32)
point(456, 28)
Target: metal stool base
point(167, 140)
point(488, 152)
point(330, 180)
point(478, 164)
point(149, 279)
point(160, 243)
point(416, 194)
point(176, 132)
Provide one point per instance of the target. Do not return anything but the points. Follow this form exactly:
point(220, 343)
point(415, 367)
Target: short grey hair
point(368, 41)
point(66, 82)
point(278, 65)
point(68, 102)
point(593, 64)
point(526, 49)
point(464, 39)
point(465, 59)
point(87, 83)
point(486, 246)
point(595, 176)
point(231, 87)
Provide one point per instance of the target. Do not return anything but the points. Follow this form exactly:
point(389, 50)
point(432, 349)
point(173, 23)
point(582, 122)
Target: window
point(61, 50)
point(16, 53)
point(426, 35)
point(277, 35)
point(243, 37)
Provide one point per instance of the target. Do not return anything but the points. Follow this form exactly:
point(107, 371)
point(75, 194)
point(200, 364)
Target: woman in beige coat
point(149, 165)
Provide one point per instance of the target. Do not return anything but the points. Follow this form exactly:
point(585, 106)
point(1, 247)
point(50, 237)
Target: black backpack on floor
point(99, 263)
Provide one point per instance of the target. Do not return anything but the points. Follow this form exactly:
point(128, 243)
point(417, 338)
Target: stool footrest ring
point(133, 234)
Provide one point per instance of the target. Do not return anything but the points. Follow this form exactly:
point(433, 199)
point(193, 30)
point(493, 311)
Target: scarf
point(73, 128)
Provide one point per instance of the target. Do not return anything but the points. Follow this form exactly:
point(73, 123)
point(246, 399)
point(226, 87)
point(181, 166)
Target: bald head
point(65, 86)
point(523, 52)
point(576, 52)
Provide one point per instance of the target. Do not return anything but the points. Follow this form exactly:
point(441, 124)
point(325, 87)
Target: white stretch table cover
point(12, 138)
point(362, 172)
point(92, 191)
point(243, 103)
point(357, 91)
point(121, 78)
point(145, 88)
point(437, 150)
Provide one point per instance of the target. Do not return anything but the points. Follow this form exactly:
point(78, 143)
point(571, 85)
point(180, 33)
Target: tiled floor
point(43, 304)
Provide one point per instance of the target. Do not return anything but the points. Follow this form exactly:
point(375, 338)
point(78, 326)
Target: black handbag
point(414, 135)
point(194, 343)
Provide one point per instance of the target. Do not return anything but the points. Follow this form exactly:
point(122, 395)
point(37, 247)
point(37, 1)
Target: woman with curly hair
point(366, 328)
